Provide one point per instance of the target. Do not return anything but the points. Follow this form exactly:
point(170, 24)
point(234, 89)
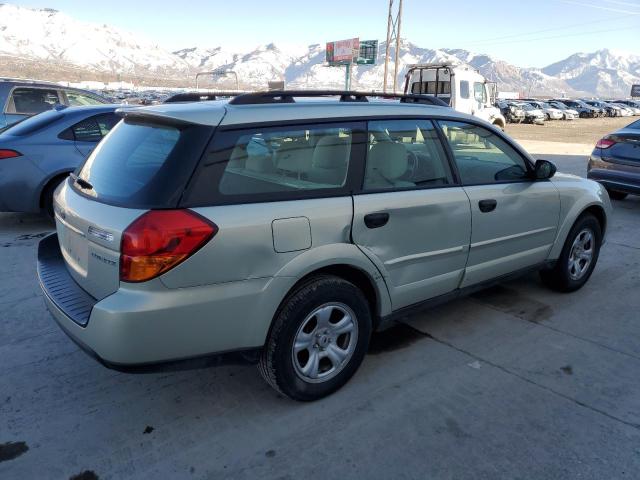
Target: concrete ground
point(515, 382)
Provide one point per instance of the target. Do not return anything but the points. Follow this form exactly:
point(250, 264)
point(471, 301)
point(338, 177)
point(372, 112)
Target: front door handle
point(376, 220)
point(488, 205)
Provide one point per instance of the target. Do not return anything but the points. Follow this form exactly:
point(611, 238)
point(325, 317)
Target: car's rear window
point(143, 164)
point(33, 124)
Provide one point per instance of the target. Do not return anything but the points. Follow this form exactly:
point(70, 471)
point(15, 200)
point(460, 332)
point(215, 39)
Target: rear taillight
point(159, 240)
point(4, 153)
point(605, 143)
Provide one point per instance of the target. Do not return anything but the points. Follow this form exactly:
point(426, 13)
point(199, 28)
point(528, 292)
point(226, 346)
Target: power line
point(564, 27)
point(601, 7)
point(562, 36)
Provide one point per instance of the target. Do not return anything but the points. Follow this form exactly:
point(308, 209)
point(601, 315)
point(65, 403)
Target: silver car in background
point(295, 229)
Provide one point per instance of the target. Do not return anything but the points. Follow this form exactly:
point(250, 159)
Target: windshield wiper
point(82, 183)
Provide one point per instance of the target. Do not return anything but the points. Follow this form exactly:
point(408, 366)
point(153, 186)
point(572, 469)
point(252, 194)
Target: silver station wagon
point(293, 228)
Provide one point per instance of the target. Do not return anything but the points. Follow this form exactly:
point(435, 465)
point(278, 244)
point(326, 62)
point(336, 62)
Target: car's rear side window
point(284, 162)
point(30, 101)
point(144, 164)
point(91, 129)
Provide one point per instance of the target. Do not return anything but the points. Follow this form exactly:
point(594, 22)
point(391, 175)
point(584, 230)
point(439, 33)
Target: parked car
point(23, 98)
point(511, 112)
point(296, 229)
point(584, 110)
point(37, 153)
point(531, 114)
point(615, 162)
point(634, 104)
point(625, 110)
point(603, 108)
point(569, 113)
point(550, 113)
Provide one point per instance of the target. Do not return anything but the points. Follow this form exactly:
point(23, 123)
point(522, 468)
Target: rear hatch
point(144, 163)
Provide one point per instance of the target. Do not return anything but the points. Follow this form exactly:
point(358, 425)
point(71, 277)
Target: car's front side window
point(405, 154)
point(77, 99)
point(482, 157)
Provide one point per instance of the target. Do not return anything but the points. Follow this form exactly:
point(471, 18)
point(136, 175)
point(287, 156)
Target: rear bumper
point(145, 324)
point(619, 177)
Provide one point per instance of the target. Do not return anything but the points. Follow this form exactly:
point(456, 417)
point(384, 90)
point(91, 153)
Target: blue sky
point(531, 33)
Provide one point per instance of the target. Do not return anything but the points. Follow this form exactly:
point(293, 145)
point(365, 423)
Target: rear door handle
point(376, 220)
point(488, 205)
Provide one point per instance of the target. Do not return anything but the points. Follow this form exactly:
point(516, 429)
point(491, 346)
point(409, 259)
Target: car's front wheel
point(318, 339)
point(578, 257)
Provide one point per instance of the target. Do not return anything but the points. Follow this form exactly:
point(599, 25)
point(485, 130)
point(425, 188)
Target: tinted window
point(286, 159)
point(91, 129)
point(33, 124)
point(143, 164)
point(77, 99)
point(405, 154)
point(464, 89)
point(30, 101)
point(481, 156)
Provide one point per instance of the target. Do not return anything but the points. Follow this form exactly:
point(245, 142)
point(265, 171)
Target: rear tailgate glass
point(143, 163)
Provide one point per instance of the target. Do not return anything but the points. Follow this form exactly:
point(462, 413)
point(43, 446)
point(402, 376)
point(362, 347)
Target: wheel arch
point(595, 209)
point(51, 180)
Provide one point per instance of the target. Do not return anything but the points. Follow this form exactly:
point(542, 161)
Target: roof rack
point(288, 96)
point(199, 96)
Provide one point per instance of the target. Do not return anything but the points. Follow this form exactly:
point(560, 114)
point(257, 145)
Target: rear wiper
point(81, 182)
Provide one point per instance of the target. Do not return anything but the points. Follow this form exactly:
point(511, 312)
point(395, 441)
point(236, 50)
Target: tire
point(314, 308)
point(614, 195)
point(571, 271)
point(47, 196)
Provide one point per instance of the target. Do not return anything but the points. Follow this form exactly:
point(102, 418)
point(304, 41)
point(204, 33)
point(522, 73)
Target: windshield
point(142, 164)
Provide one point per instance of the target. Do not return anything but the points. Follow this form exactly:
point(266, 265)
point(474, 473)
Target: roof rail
point(199, 96)
point(288, 96)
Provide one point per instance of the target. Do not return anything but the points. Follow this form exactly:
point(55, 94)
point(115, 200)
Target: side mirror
point(544, 169)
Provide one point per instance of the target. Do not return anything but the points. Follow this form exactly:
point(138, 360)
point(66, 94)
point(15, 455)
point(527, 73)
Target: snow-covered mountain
point(50, 35)
point(46, 43)
point(599, 72)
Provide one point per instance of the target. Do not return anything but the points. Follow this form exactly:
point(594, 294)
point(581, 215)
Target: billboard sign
point(635, 90)
point(368, 52)
point(343, 51)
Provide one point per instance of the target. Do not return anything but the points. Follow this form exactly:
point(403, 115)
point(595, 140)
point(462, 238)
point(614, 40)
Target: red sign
point(343, 51)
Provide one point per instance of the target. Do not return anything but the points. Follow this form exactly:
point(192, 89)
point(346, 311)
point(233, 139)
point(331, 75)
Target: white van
point(462, 87)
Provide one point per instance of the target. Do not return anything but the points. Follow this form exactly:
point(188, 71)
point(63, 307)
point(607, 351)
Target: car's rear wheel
point(318, 339)
point(615, 195)
point(47, 195)
point(578, 257)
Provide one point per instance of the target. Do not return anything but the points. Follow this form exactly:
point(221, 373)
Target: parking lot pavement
point(513, 382)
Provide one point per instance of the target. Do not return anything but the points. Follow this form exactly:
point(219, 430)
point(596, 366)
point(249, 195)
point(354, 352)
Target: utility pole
point(394, 22)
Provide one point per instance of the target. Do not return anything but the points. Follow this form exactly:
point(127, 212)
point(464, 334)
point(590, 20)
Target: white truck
point(462, 87)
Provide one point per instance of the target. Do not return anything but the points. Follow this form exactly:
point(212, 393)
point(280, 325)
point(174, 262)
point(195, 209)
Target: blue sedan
point(39, 152)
